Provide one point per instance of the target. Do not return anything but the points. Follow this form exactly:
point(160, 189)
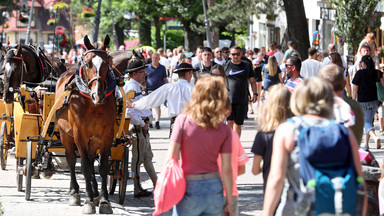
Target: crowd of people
point(209, 94)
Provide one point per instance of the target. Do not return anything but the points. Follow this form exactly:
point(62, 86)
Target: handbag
point(379, 89)
point(170, 186)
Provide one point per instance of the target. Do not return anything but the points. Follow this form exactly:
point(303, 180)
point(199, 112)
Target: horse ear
point(18, 50)
point(87, 43)
point(106, 42)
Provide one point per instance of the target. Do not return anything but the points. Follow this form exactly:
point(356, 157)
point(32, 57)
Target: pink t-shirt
point(200, 147)
point(239, 158)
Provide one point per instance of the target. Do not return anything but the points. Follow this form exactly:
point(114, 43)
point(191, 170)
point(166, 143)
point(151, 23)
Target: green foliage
point(352, 19)
point(174, 38)
point(232, 14)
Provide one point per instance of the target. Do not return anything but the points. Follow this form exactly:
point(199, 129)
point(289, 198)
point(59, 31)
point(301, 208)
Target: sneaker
point(157, 125)
point(381, 132)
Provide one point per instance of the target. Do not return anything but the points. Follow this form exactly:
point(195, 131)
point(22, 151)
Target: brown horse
point(120, 61)
point(23, 65)
point(88, 121)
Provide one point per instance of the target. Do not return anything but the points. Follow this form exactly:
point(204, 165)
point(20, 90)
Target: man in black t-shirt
point(238, 73)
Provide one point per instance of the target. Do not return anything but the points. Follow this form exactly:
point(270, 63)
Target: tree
point(352, 19)
point(297, 28)
point(234, 15)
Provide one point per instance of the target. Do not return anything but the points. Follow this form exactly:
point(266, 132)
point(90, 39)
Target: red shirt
point(200, 147)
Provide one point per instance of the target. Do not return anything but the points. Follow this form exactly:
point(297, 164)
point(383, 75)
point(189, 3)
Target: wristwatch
point(256, 94)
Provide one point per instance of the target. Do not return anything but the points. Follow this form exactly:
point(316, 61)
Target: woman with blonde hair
point(312, 102)
point(199, 135)
point(273, 112)
point(271, 74)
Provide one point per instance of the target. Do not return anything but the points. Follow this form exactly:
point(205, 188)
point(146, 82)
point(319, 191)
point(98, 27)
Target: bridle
point(98, 77)
point(84, 81)
point(24, 66)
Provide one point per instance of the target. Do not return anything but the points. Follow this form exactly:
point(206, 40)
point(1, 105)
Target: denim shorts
point(202, 197)
point(369, 109)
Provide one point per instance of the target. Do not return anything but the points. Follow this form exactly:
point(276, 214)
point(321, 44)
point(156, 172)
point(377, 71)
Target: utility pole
point(113, 26)
point(96, 24)
point(206, 22)
point(29, 23)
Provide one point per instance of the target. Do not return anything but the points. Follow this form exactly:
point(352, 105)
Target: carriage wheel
point(28, 176)
point(3, 146)
point(19, 174)
point(112, 181)
point(123, 176)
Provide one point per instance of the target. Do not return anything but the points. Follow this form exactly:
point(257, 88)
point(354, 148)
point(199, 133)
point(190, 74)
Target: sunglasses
point(218, 51)
point(235, 54)
point(288, 65)
point(226, 52)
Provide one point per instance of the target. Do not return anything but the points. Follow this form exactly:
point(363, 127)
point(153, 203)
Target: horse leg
point(96, 199)
point(74, 196)
point(87, 166)
point(105, 151)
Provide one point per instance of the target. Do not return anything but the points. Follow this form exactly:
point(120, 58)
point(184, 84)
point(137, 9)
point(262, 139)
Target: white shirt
point(174, 60)
point(195, 60)
point(222, 62)
point(279, 57)
point(343, 112)
point(136, 115)
point(164, 61)
point(310, 68)
point(176, 93)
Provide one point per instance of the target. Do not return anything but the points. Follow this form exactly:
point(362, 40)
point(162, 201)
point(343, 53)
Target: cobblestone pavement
point(49, 196)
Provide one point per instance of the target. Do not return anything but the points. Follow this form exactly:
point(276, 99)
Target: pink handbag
point(170, 187)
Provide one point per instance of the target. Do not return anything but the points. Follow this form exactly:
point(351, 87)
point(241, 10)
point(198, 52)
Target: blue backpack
point(326, 164)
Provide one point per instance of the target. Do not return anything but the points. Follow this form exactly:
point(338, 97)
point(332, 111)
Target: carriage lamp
point(10, 89)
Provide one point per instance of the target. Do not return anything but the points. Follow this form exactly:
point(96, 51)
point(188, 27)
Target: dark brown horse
point(89, 121)
point(23, 65)
point(120, 61)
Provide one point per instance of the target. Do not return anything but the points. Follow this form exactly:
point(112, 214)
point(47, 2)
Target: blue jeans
point(369, 109)
point(202, 197)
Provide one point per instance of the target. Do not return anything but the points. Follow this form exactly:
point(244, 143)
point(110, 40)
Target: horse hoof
point(89, 208)
point(105, 208)
point(74, 200)
point(96, 200)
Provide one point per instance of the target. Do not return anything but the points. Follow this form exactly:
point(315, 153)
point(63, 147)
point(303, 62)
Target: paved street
point(49, 196)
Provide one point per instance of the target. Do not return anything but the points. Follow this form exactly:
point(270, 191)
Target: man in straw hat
point(141, 147)
point(176, 93)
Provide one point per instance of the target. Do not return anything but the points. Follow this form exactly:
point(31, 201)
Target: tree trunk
point(145, 32)
point(119, 35)
point(297, 26)
point(215, 34)
point(157, 23)
point(192, 39)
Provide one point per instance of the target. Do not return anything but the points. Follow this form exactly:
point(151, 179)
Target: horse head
point(13, 69)
point(95, 69)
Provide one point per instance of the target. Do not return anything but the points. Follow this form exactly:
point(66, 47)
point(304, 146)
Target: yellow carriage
point(37, 140)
